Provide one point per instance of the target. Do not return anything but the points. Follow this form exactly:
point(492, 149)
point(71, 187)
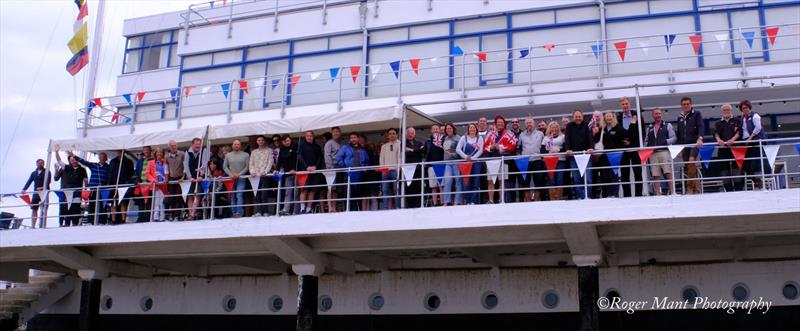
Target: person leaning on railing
point(613, 137)
point(194, 166)
point(331, 150)
point(40, 184)
point(530, 143)
point(470, 148)
point(554, 144)
point(752, 133)
point(98, 178)
point(158, 173)
point(578, 138)
point(310, 158)
point(501, 142)
point(451, 171)
point(261, 165)
point(144, 200)
point(353, 155)
point(726, 133)
point(73, 177)
point(175, 159)
point(120, 173)
point(390, 157)
point(660, 135)
point(690, 132)
point(235, 166)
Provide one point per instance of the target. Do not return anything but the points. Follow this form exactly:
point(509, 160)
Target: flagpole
point(94, 57)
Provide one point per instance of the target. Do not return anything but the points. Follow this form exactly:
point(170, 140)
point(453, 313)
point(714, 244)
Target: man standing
point(752, 131)
point(515, 129)
point(261, 165)
point(530, 143)
point(413, 153)
point(630, 159)
point(40, 184)
point(98, 178)
point(194, 167)
point(726, 132)
point(690, 132)
point(120, 172)
point(73, 178)
point(174, 160)
point(501, 143)
point(578, 138)
point(236, 165)
point(353, 155)
point(659, 136)
point(390, 158)
point(331, 151)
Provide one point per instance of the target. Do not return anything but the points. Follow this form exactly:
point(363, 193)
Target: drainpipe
point(603, 36)
point(362, 9)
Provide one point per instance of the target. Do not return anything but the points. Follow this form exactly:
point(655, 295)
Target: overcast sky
point(53, 95)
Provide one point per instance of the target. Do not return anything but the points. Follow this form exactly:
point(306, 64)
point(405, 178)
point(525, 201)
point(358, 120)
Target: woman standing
point(451, 172)
point(612, 136)
point(553, 144)
point(470, 148)
point(157, 172)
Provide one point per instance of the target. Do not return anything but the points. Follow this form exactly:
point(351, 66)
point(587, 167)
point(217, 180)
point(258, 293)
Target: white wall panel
point(213, 101)
point(322, 89)
point(787, 43)
point(646, 50)
point(557, 64)
point(433, 76)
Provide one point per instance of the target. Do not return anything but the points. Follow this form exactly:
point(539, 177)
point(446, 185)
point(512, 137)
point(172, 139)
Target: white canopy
point(132, 141)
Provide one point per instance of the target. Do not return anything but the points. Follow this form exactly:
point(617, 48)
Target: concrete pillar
point(307, 293)
point(88, 320)
point(588, 293)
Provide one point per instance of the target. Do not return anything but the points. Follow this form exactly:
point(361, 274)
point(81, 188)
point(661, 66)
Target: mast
point(94, 57)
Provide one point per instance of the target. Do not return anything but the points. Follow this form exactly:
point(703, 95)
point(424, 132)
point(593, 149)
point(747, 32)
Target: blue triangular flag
point(205, 184)
point(706, 152)
point(797, 147)
point(522, 166)
point(104, 195)
point(523, 53)
point(354, 176)
point(278, 176)
point(749, 35)
point(225, 88)
point(396, 68)
point(614, 158)
point(596, 49)
point(173, 93)
point(90, 105)
point(438, 169)
point(668, 40)
point(275, 83)
point(334, 73)
point(128, 98)
point(128, 120)
point(457, 50)
point(61, 196)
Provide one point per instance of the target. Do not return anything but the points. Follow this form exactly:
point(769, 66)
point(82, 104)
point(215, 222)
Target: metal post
point(46, 201)
point(186, 26)
point(399, 81)
point(502, 182)
point(230, 102)
point(403, 124)
point(347, 200)
point(325, 12)
point(230, 21)
point(671, 77)
point(278, 197)
point(672, 181)
point(530, 73)
point(463, 80)
point(761, 164)
point(152, 200)
point(639, 126)
point(283, 101)
point(422, 186)
point(741, 55)
point(275, 27)
point(585, 180)
point(339, 97)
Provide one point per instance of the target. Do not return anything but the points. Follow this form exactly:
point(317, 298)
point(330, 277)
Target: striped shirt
point(99, 171)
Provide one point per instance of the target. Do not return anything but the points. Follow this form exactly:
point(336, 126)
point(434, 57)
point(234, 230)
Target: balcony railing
point(765, 165)
point(528, 66)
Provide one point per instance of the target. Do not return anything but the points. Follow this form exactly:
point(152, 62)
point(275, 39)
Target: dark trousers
point(413, 199)
point(97, 206)
point(72, 214)
point(145, 203)
point(727, 168)
point(609, 180)
point(174, 201)
point(264, 195)
point(631, 163)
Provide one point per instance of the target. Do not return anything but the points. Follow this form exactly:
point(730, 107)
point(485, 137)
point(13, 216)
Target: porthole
point(432, 302)
point(489, 300)
point(612, 293)
point(325, 303)
point(690, 293)
point(550, 299)
point(376, 301)
point(740, 292)
point(275, 303)
point(229, 303)
point(106, 302)
point(146, 303)
point(790, 290)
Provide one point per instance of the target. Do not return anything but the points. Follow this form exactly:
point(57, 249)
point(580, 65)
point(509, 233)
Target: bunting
point(128, 99)
point(98, 102)
point(315, 75)
point(582, 160)
point(706, 152)
point(274, 83)
point(522, 166)
point(722, 39)
point(492, 168)
point(621, 46)
point(674, 151)
point(295, 79)
point(772, 153)
point(78, 44)
point(115, 117)
point(409, 171)
point(523, 53)
point(187, 90)
point(748, 36)
point(481, 56)
point(738, 154)
point(330, 178)
point(395, 68)
point(354, 176)
point(354, 72)
point(414, 65)
point(104, 194)
point(173, 94)
point(302, 178)
point(614, 159)
point(228, 183)
point(42, 195)
point(466, 170)
point(697, 42)
point(255, 181)
point(243, 86)
point(334, 73)
point(278, 176)
point(551, 162)
point(549, 47)
point(205, 184)
point(644, 154)
point(140, 96)
point(68, 195)
point(26, 198)
point(457, 50)
point(225, 88)
point(438, 170)
point(596, 49)
point(78, 41)
point(121, 191)
point(374, 69)
point(85, 195)
point(668, 40)
point(572, 51)
point(772, 33)
point(645, 46)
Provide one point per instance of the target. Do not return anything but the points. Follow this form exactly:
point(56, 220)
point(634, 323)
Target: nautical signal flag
point(83, 11)
point(621, 47)
point(80, 3)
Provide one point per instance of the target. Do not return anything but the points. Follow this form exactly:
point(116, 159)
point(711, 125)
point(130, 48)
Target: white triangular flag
point(409, 170)
point(772, 153)
point(374, 69)
point(315, 75)
point(254, 181)
point(204, 91)
point(645, 46)
point(42, 195)
point(434, 59)
point(582, 161)
point(722, 38)
point(185, 189)
point(68, 194)
point(492, 168)
point(121, 191)
point(330, 178)
point(674, 151)
point(572, 51)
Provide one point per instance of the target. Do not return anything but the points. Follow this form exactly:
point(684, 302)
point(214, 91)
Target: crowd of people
point(282, 176)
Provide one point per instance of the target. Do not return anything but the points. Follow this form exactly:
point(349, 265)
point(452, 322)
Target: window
point(151, 51)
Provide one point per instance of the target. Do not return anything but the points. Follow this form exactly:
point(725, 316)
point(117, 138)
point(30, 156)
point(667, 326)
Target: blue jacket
point(346, 154)
point(37, 180)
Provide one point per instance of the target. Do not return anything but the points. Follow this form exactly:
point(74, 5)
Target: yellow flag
point(78, 41)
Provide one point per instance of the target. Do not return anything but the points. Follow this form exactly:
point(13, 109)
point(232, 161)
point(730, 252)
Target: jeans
point(288, 192)
point(262, 196)
point(578, 180)
point(451, 174)
point(558, 178)
point(389, 188)
point(238, 197)
point(474, 183)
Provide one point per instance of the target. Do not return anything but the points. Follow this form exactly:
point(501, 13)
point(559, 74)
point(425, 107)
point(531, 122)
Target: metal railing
point(462, 73)
point(379, 187)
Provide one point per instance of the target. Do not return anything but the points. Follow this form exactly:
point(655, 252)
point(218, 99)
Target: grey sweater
point(236, 163)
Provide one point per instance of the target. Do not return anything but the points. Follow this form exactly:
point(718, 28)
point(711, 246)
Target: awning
point(133, 141)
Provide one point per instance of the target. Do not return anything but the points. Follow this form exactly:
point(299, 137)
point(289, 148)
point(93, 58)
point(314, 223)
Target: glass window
point(228, 56)
point(351, 40)
point(132, 61)
point(428, 31)
point(313, 45)
point(134, 42)
point(481, 24)
point(157, 38)
point(267, 51)
point(197, 61)
point(174, 59)
point(386, 36)
point(154, 58)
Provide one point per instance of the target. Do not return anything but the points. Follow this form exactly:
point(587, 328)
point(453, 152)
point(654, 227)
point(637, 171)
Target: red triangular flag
point(552, 163)
point(243, 86)
point(302, 177)
point(549, 47)
point(187, 90)
point(481, 56)
point(213, 22)
point(621, 47)
point(644, 154)
point(772, 33)
point(354, 72)
point(383, 170)
point(98, 102)
point(415, 65)
point(228, 184)
point(738, 154)
point(26, 198)
point(224, 3)
point(466, 170)
point(696, 42)
point(83, 12)
point(295, 79)
point(140, 96)
point(144, 191)
point(115, 117)
point(85, 195)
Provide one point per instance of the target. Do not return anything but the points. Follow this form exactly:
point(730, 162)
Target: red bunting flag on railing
point(140, 96)
point(551, 162)
point(549, 47)
point(115, 117)
point(415, 65)
point(644, 154)
point(481, 56)
point(354, 72)
point(98, 102)
point(295, 79)
point(466, 170)
point(26, 198)
point(772, 33)
point(187, 90)
point(621, 47)
point(697, 41)
point(738, 153)
point(243, 86)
